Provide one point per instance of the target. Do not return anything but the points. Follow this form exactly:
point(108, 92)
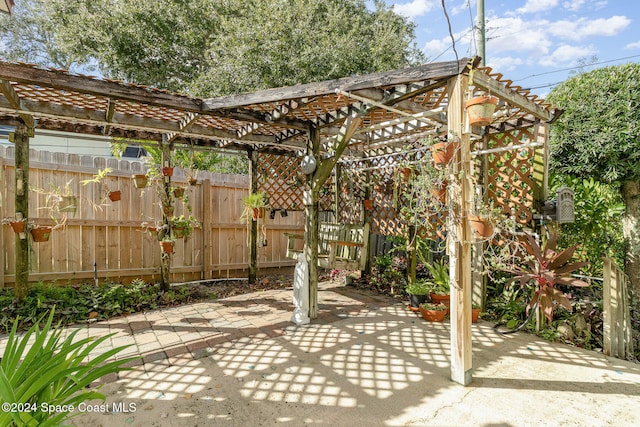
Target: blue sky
point(529, 41)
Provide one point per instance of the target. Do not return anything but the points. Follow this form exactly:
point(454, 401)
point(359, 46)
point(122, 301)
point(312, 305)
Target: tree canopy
point(211, 47)
point(598, 134)
point(598, 137)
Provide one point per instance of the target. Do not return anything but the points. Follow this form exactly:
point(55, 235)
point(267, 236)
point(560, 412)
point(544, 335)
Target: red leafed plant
point(544, 268)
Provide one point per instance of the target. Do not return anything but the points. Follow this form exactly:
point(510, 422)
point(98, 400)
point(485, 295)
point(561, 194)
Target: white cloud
point(504, 64)
point(414, 8)
point(634, 45)
point(525, 38)
point(566, 54)
point(582, 28)
point(573, 5)
point(537, 6)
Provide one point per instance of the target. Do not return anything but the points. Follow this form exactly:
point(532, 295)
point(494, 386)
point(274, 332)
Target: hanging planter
point(257, 213)
point(480, 110)
point(405, 174)
point(115, 196)
point(167, 171)
point(168, 210)
point(140, 180)
point(167, 246)
point(41, 233)
point(193, 181)
point(179, 232)
point(368, 204)
point(483, 227)
point(18, 226)
point(439, 191)
point(442, 152)
point(178, 192)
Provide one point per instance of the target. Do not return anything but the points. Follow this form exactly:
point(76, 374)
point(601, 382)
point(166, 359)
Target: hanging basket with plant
point(140, 180)
point(480, 110)
point(442, 152)
point(41, 233)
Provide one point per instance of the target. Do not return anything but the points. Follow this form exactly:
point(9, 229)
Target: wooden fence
point(617, 332)
point(108, 238)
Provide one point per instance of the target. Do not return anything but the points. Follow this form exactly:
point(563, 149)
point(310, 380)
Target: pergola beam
point(511, 96)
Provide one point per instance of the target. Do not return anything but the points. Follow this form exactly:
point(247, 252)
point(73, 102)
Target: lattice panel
point(510, 183)
point(388, 192)
point(280, 177)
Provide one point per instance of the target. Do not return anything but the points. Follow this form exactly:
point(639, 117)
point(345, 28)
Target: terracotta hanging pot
point(167, 171)
point(480, 110)
point(442, 152)
point(18, 226)
point(481, 226)
point(167, 247)
point(178, 192)
point(115, 196)
point(406, 173)
point(257, 213)
point(368, 204)
point(179, 232)
point(41, 233)
point(140, 180)
point(439, 192)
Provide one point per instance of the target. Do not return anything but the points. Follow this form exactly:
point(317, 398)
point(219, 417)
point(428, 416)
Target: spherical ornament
point(308, 164)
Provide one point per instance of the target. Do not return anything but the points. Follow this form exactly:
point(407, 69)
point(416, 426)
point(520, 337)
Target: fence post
point(617, 339)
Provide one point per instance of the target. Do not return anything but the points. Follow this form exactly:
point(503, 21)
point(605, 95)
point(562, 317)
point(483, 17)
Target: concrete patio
point(367, 360)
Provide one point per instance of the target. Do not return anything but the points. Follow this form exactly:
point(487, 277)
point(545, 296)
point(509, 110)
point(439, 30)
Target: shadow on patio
point(368, 361)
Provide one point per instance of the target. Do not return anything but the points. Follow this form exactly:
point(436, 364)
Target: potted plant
point(475, 313)
point(254, 205)
point(540, 269)
point(167, 243)
point(178, 192)
point(439, 283)
point(140, 180)
point(433, 312)
point(443, 151)
point(418, 292)
point(480, 109)
point(183, 226)
point(41, 233)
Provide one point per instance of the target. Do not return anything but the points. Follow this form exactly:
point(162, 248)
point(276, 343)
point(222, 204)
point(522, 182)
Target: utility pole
point(481, 34)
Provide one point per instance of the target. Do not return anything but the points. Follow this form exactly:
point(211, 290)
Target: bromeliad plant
point(544, 268)
point(39, 371)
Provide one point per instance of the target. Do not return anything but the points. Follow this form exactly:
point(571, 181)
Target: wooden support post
point(166, 200)
point(21, 139)
point(253, 225)
point(207, 230)
point(412, 253)
point(311, 225)
point(336, 192)
point(460, 237)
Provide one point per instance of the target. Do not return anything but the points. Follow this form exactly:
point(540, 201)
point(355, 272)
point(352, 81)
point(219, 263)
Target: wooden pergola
point(366, 115)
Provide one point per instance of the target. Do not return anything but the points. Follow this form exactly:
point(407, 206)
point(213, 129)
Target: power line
point(577, 67)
